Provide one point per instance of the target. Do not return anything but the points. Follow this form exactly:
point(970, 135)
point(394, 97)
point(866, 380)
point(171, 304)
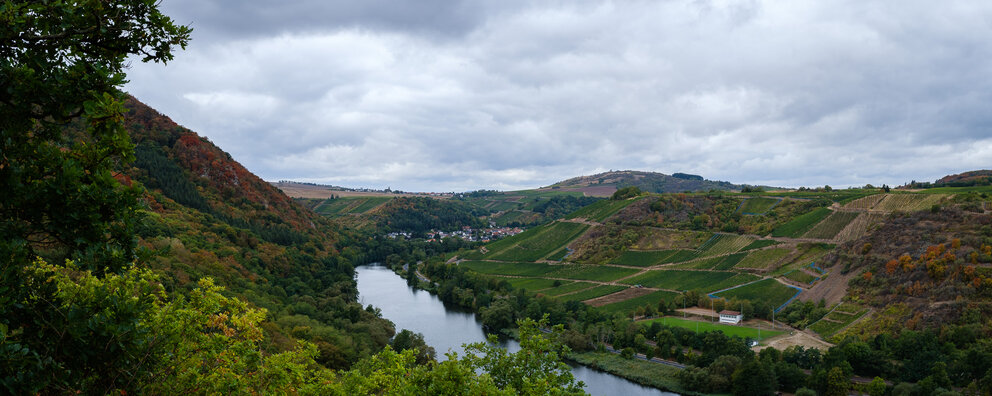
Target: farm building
point(730, 317)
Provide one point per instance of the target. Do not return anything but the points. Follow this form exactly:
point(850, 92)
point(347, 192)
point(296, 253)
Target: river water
point(447, 329)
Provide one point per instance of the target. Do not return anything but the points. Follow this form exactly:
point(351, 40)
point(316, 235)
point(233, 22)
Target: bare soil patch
point(832, 289)
point(619, 296)
point(795, 338)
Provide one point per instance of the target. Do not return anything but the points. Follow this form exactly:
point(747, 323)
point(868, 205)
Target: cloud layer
point(452, 96)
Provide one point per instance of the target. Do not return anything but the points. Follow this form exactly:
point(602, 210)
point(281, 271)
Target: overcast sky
point(461, 95)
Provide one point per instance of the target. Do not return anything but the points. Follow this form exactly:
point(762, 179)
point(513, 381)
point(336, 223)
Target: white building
point(731, 317)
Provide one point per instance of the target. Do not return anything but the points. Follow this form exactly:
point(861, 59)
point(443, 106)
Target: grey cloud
point(464, 96)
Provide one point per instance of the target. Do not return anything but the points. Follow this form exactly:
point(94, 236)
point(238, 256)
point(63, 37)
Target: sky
point(435, 95)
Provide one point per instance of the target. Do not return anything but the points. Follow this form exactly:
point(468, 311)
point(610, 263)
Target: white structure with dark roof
point(731, 317)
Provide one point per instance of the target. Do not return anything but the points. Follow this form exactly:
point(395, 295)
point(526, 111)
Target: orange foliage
point(866, 276)
point(956, 243)
point(891, 266)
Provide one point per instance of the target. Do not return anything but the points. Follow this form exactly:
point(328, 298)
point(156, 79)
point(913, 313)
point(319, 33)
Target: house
point(731, 317)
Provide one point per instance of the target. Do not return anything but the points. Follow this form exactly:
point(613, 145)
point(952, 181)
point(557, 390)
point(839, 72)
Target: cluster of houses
point(476, 234)
point(466, 233)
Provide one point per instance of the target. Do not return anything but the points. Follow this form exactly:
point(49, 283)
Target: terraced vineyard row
point(831, 226)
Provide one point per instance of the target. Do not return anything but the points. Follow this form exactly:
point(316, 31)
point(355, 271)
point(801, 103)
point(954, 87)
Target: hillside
point(964, 179)
point(209, 216)
point(604, 184)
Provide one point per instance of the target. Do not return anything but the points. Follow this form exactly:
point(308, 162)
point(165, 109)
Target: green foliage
point(630, 305)
point(758, 205)
point(625, 193)
point(63, 61)
point(79, 332)
point(592, 272)
point(600, 210)
point(832, 225)
point(535, 243)
point(508, 268)
point(536, 369)
point(644, 258)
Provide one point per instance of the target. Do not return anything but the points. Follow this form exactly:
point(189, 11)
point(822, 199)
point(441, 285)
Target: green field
point(832, 225)
point(841, 316)
point(801, 224)
point(597, 291)
point(705, 281)
point(764, 259)
point(504, 268)
point(601, 210)
point(558, 255)
point(757, 205)
point(643, 258)
point(600, 273)
point(632, 304)
point(533, 244)
point(702, 326)
point(715, 263)
point(769, 290)
point(681, 255)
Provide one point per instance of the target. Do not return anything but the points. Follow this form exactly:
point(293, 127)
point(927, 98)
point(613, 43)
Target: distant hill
point(604, 184)
point(966, 179)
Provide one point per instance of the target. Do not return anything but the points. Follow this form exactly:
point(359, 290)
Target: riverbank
point(647, 373)
point(642, 372)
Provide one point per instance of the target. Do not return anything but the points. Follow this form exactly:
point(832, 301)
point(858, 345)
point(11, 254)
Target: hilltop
point(604, 184)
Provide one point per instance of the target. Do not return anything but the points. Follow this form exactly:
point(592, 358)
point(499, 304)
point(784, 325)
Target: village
point(467, 233)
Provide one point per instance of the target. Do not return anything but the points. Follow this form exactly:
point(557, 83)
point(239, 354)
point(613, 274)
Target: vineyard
point(644, 258)
point(508, 268)
point(908, 202)
point(769, 290)
point(600, 210)
point(594, 292)
point(841, 317)
point(632, 304)
point(721, 244)
point(860, 226)
point(767, 259)
point(348, 205)
point(865, 203)
point(831, 226)
point(600, 273)
point(536, 243)
point(705, 281)
point(801, 224)
point(758, 206)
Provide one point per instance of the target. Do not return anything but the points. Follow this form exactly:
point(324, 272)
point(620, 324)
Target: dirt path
point(797, 337)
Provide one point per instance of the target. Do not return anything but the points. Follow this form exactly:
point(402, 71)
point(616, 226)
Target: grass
point(630, 305)
point(601, 210)
point(503, 268)
point(768, 290)
point(536, 243)
point(705, 281)
point(832, 225)
point(643, 258)
point(801, 224)
point(763, 259)
point(597, 291)
point(841, 316)
point(758, 205)
point(730, 330)
point(761, 243)
point(646, 373)
point(592, 272)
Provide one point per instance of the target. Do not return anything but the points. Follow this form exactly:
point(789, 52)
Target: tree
point(754, 378)
point(408, 340)
point(837, 383)
point(536, 369)
point(63, 63)
point(626, 192)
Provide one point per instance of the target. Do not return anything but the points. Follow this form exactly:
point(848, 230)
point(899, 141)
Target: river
point(447, 329)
